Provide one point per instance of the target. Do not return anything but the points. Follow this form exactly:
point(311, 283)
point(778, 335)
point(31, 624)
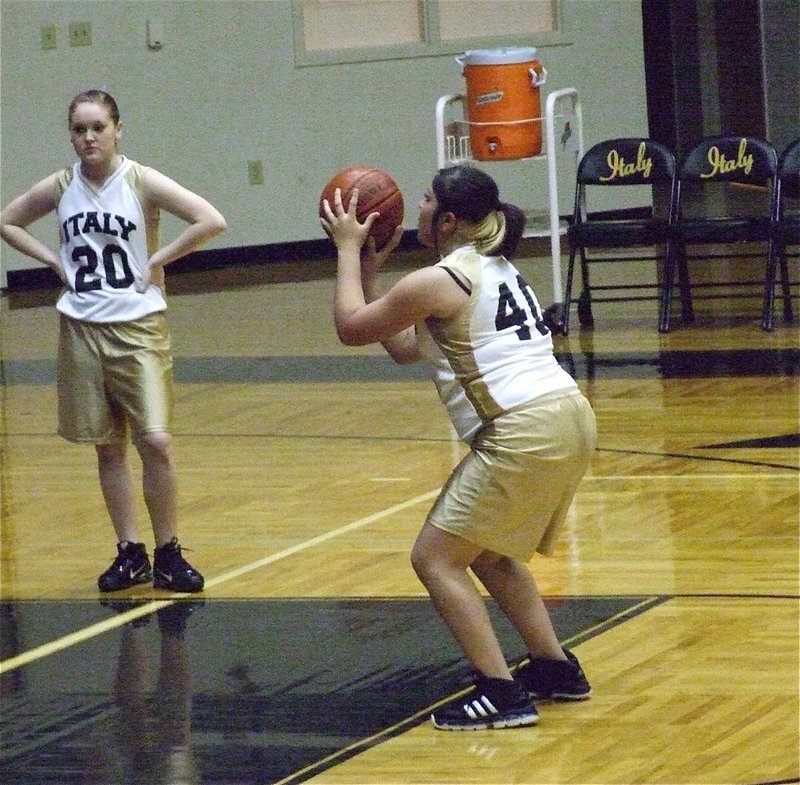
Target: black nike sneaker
point(172, 571)
point(130, 568)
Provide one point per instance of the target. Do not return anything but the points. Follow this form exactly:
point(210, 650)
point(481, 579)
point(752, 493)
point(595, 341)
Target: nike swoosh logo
point(167, 575)
point(134, 573)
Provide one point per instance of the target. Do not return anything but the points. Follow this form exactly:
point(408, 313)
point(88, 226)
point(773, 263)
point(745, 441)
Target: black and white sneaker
point(495, 703)
point(172, 571)
point(130, 568)
point(560, 680)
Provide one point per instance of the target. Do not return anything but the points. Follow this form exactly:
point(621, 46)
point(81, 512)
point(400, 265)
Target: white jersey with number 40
point(497, 353)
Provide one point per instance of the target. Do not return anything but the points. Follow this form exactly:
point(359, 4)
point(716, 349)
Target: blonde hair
point(487, 234)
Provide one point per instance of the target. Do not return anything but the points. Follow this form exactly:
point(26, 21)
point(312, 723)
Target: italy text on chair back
point(633, 225)
point(725, 189)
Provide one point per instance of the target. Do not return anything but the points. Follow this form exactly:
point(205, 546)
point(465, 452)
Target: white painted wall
point(224, 89)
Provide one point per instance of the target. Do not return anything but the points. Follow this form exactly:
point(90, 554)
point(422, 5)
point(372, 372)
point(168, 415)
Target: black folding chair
point(785, 232)
point(645, 231)
point(724, 197)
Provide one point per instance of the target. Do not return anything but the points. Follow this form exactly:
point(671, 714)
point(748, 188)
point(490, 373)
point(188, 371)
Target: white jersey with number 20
point(106, 241)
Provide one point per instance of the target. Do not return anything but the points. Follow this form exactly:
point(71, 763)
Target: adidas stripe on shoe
point(495, 703)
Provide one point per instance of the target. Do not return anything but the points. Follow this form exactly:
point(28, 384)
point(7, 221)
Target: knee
point(155, 446)
point(422, 562)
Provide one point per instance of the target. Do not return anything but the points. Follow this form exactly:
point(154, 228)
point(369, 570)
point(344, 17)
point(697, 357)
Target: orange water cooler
point(503, 107)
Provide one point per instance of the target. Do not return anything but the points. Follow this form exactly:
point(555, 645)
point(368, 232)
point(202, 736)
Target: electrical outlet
point(80, 33)
point(48, 34)
point(255, 172)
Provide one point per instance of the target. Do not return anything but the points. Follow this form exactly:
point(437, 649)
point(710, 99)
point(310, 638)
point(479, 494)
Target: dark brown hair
point(100, 97)
point(471, 194)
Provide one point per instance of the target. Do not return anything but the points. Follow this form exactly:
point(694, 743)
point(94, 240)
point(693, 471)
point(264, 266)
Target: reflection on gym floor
point(233, 692)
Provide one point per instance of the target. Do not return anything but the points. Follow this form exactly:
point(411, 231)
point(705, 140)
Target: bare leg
point(116, 483)
point(159, 484)
point(130, 695)
point(512, 585)
point(440, 560)
point(174, 689)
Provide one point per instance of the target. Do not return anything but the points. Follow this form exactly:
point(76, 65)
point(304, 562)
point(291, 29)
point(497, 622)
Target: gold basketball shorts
point(114, 378)
point(511, 493)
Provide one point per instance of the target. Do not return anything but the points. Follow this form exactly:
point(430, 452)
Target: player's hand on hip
point(144, 282)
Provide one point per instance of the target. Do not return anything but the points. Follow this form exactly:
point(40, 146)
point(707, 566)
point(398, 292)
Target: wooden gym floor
point(306, 469)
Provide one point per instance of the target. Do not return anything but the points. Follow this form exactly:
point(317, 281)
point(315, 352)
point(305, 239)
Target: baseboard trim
point(37, 278)
point(213, 259)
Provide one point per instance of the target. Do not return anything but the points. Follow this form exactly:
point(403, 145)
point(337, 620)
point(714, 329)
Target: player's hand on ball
point(378, 193)
point(371, 259)
point(342, 225)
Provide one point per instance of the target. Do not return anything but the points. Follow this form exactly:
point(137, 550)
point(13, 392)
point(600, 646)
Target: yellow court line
point(683, 477)
point(81, 635)
point(322, 538)
point(109, 624)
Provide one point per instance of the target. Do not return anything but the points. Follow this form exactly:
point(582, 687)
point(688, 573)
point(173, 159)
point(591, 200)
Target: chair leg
point(585, 300)
point(666, 293)
point(769, 288)
point(788, 316)
point(585, 316)
point(687, 309)
point(568, 293)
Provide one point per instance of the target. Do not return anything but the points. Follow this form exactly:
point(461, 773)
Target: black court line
point(380, 368)
point(702, 458)
point(776, 782)
point(788, 441)
point(705, 364)
point(272, 690)
point(765, 443)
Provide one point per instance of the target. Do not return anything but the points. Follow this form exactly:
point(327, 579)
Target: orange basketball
point(377, 193)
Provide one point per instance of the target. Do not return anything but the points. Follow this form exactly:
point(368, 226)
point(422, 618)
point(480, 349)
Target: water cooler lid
point(510, 54)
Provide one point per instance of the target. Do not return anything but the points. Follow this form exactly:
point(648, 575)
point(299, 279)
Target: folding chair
point(709, 211)
point(626, 161)
point(785, 232)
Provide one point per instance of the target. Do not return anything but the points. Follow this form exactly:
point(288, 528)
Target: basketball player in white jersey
point(531, 432)
point(115, 358)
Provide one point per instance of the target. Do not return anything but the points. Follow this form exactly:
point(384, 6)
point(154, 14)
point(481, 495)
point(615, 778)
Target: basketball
point(377, 193)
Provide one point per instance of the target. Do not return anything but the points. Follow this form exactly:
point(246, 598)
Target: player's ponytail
point(472, 196)
point(515, 226)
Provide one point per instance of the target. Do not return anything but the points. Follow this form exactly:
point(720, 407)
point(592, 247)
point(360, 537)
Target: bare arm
point(23, 211)
point(420, 294)
point(402, 347)
point(203, 219)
